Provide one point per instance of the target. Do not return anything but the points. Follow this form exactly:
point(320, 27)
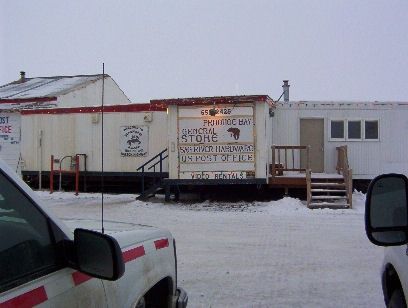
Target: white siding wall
point(366, 158)
point(91, 95)
point(268, 131)
point(69, 134)
point(172, 136)
point(261, 140)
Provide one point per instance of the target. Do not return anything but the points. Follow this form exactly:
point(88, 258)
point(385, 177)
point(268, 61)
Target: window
point(337, 130)
point(27, 250)
point(371, 130)
point(354, 130)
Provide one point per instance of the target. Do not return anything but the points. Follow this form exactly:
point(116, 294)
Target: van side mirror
point(386, 214)
point(98, 255)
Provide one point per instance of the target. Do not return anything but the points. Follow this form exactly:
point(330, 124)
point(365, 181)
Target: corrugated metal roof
point(40, 87)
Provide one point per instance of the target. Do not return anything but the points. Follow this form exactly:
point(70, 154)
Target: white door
point(312, 134)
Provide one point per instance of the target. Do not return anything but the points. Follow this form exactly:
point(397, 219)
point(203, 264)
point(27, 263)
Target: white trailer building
point(250, 140)
point(374, 132)
point(61, 116)
point(217, 140)
point(45, 93)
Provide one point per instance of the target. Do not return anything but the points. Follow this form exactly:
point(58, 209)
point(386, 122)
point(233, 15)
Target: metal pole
point(76, 174)
point(102, 179)
point(40, 133)
point(161, 163)
point(60, 174)
point(273, 161)
point(52, 175)
point(143, 177)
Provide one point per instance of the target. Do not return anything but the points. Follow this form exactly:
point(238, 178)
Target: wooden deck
point(324, 190)
point(298, 179)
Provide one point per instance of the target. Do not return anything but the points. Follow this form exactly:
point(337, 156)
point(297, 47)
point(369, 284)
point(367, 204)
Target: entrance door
point(312, 133)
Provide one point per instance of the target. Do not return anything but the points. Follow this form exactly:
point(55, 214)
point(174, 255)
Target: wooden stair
point(328, 193)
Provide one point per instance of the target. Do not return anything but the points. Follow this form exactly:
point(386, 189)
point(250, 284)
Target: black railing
point(151, 164)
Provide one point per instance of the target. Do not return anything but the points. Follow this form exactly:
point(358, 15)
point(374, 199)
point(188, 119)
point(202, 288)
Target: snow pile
point(283, 205)
point(359, 199)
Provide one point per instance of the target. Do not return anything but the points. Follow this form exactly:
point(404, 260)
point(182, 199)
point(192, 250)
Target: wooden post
point(338, 160)
point(350, 187)
point(309, 186)
point(339, 166)
point(308, 157)
point(52, 175)
point(273, 161)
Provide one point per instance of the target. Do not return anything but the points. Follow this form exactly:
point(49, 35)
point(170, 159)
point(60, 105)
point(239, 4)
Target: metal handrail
point(153, 166)
point(152, 159)
point(74, 164)
point(61, 171)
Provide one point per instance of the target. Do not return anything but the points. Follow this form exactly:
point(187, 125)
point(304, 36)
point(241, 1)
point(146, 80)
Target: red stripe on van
point(79, 278)
point(128, 255)
point(163, 243)
point(26, 300)
point(133, 254)
point(38, 296)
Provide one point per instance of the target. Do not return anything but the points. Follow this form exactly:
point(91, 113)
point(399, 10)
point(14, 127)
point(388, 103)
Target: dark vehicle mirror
point(98, 255)
point(386, 215)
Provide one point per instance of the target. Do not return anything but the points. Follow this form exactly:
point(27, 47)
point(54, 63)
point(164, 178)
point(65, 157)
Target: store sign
point(216, 147)
point(134, 141)
point(9, 128)
point(220, 175)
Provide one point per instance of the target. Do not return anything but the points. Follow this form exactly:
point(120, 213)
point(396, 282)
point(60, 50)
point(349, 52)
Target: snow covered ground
point(261, 254)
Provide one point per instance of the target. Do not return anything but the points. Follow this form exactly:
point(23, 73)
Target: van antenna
point(102, 174)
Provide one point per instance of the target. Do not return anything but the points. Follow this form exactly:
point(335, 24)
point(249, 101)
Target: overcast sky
point(328, 49)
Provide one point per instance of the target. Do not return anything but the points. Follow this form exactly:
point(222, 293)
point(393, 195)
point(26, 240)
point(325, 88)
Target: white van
point(386, 219)
point(43, 263)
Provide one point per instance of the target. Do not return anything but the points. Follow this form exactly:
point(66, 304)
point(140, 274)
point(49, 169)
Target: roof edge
point(239, 99)
point(145, 107)
point(28, 100)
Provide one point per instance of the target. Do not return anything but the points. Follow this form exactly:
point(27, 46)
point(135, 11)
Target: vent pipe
point(285, 88)
point(22, 76)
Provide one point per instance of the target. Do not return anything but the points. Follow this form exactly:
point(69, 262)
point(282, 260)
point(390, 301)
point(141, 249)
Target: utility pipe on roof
point(22, 76)
point(285, 88)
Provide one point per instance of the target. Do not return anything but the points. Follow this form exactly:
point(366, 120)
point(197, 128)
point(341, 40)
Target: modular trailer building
point(61, 117)
point(374, 132)
point(208, 140)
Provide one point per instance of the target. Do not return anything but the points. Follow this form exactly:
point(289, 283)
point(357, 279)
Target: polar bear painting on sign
point(235, 132)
